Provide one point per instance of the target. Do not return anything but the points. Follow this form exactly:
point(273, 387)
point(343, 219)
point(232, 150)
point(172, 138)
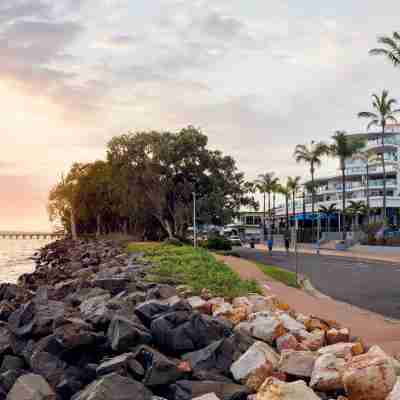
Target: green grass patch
point(197, 268)
point(279, 274)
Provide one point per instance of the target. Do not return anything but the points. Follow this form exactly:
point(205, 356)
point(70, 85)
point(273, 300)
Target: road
point(372, 285)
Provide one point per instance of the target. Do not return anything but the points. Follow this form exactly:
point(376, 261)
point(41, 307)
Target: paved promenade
point(371, 327)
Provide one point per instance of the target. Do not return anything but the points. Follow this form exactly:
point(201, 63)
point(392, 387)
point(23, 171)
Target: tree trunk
point(168, 228)
point(98, 225)
point(343, 168)
point(294, 208)
point(312, 203)
point(384, 176)
point(73, 225)
point(368, 210)
point(269, 213)
point(264, 216)
point(287, 211)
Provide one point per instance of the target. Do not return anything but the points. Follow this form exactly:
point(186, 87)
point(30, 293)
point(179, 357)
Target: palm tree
point(276, 186)
point(293, 184)
point(345, 147)
point(285, 191)
point(355, 210)
point(328, 212)
point(391, 50)
point(384, 113)
point(265, 184)
point(367, 156)
point(311, 155)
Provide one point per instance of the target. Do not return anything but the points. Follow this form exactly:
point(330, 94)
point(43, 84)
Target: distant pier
point(31, 235)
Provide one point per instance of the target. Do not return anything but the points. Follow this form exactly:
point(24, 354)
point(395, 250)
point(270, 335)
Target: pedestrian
point(270, 244)
point(287, 242)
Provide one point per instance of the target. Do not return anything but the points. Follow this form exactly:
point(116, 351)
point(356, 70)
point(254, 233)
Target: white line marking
point(267, 287)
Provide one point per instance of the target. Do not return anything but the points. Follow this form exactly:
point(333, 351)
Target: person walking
point(287, 241)
point(270, 244)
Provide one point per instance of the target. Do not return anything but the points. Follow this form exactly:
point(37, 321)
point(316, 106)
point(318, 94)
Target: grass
point(196, 268)
point(279, 274)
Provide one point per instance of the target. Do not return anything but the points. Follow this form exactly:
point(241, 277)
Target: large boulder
point(274, 389)
point(369, 376)
point(177, 332)
point(36, 318)
point(124, 334)
point(31, 387)
point(95, 310)
point(395, 393)
point(114, 387)
point(297, 363)
point(262, 327)
point(327, 373)
point(73, 333)
point(157, 368)
point(254, 366)
point(342, 350)
point(187, 390)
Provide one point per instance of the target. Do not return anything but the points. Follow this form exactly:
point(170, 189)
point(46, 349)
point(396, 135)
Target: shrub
point(173, 242)
point(218, 243)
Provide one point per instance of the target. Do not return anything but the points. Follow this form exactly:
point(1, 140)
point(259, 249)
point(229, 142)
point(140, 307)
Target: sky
point(258, 77)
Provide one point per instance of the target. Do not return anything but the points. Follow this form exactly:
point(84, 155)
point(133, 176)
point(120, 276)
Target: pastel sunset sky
point(258, 76)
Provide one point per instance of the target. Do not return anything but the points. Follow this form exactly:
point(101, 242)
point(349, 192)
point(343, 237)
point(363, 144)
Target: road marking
point(267, 287)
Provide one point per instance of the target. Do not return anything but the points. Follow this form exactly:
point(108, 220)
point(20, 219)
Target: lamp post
point(194, 221)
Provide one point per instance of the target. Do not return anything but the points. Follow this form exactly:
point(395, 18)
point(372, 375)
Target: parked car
point(235, 240)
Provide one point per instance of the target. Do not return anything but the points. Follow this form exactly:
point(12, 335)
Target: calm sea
point(15, 257)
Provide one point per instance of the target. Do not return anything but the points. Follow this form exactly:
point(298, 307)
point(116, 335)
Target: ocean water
point(15, 257)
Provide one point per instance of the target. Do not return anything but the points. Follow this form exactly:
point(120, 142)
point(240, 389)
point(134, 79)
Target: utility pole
point(194, 221)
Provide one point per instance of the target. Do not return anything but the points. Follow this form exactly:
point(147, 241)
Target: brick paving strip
point(372, 328)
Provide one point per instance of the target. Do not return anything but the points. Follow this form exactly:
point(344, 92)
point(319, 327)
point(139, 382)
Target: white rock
point(369, 376)
point(395, 393)
point(31, 387)
point(255, 365)
point(208, 396)
point(327, 373)
point(274, 389)
point(196, 302)
point(342, 350)
point(261, 303)
point(264, 328)
point(290, 323)
point(297, 363)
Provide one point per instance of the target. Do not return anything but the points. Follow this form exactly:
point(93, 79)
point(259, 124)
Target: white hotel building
point(329, 188)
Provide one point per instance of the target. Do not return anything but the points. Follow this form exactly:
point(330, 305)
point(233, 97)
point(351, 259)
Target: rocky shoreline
point(87, 325)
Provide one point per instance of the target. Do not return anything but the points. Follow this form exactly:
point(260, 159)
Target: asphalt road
point(373, 285)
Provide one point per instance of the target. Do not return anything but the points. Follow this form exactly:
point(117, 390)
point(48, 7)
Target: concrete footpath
point(355, 252)
point(370, 327)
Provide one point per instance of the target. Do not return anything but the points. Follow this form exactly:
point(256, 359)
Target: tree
point(382, 115)
point(293, 184)
point(266, 184)
point(285, 191)
point(367, 157)
point(311, 155)
point(275, 190)
point(345, 147)
point(391, 50)
point(328, 212)
point(355, 210)
point(63, 204)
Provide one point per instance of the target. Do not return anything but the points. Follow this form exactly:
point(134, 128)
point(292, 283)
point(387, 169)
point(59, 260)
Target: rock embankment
point(86, 325)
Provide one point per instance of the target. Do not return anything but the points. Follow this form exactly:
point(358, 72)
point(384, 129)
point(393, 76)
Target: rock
point(315, 341)
point(243, 302)
point(95, 309)
point(327, 373)
point(287, 342)
point(395, 393)
point(262, 327)
point(197, 303)
point(208, 396)
point(150, 310)
point(124, 334)
point(317, 323)
point(342, 350)
point(179, 332)
point(334, 336)
point(274, 389)
point(261, 303)
point(254, 366)
point(369, 376)
point(233, 314)
point(36, 318)
point(158, 369)
point(113, 284)
point(12, 362)
point(297, 363)
point(73, 333)
point(290, 324)
point(161, 292)
point(187, 390)
point(119, 365)
point(9, 377)
point(5, 338)
point(206, 294)
point(31, 387)
point(113, 387)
